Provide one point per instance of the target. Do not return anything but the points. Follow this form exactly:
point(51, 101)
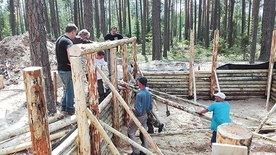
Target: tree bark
point(230, 22)
point(255, 12)
point(12, 17)
point(267, 28)
point(88, 15)
point(53, 18)
point(97, 15)
point(156, 29)
point(103, 18)
point(166, 28)
point(38, 49)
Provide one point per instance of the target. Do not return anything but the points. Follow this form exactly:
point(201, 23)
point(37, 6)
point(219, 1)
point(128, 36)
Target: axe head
point(168, 113)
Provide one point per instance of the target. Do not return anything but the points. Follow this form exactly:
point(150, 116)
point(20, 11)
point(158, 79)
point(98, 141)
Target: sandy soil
point(191, 133)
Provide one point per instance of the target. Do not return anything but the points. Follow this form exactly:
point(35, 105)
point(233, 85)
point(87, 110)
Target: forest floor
point(191, 134)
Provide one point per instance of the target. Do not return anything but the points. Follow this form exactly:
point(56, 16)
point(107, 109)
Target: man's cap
point(143, 80)
point(221, 95)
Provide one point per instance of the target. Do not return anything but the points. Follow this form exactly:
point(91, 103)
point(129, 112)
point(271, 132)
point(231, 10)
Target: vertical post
point(93, 96)
point(125, 77)
point(55, 85)
point(270, 70)
point(80, 105)
point(2, 82)
point(214, 62)
point(113, 68)
point(135, 66)
point(191, 69)
point(37, 110)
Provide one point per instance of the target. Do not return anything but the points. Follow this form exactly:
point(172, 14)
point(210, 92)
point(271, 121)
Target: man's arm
point(202, 111)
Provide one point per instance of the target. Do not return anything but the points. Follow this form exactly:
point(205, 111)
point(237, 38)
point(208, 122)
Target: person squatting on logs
point(142, 106)
point(221, 113)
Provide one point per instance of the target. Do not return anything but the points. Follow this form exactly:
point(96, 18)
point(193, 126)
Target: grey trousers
point(132, 130)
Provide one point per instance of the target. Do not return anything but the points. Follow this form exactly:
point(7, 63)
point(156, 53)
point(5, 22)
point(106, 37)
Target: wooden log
point(256, 135)
point(2, 82)
point(229, 133)
point(37, 110)
point(84, 49)
point(19, 147)
point(191, 64)
point(214, 62)
point(105, 102)
point(273, 109)
point(270, 69)
point(125, 78)
point(114, 79)
point(72, 138)
point(136, 121)
point(165, 73)
point(93, 99)
point(106, 138)
point(135, 66)
point(80, 105)
point(125, 138)
point(15, 132)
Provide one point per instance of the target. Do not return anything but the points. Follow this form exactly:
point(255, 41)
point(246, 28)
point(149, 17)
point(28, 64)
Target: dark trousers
point(214, 137)
point(101, 90)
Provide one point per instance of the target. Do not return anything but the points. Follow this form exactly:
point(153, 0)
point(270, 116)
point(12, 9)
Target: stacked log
point(236, 84)
point(273, 89)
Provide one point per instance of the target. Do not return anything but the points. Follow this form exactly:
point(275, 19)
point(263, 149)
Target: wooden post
point(37, 110)
point(229, 133)
point(93, 101)
point(191, 69)
point(125, 78)
point(55, 85)
point(2, 82)
point(80, 105)
point(216, 77)
point(114, 79)
point(135, 66)
point(135, 120)
point(270, 70)
point(214, 62)
point(266, 118)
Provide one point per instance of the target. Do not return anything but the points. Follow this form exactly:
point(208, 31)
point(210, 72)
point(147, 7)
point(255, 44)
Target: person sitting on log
point(221, 113)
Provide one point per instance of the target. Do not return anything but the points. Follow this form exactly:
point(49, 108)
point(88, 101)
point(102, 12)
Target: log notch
point(214, 62)
point(80, 105)
point(37, 110)
point(93, 96)
point(114, 79)
point(125, 78)
point(234, 134)
point(191, 70)
point(270, 70)
point(2, 82)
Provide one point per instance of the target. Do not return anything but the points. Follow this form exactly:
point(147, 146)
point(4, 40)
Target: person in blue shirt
point(142, 106)
point(221, 113)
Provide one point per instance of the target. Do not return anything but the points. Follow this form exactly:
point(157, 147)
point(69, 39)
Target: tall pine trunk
point(156, 30)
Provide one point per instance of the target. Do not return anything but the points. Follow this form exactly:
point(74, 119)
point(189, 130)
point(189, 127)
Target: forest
point(161, 26)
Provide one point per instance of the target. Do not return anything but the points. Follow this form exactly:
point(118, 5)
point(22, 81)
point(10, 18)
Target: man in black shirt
point(63, 44)
point(113, 35)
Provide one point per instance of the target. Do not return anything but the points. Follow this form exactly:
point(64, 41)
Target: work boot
point(160, 128)
point(150, 131)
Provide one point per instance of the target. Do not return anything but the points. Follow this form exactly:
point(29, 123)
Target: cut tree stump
point(234, 134)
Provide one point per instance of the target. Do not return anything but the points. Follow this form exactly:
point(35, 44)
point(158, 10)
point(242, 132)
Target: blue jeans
point(68, 93)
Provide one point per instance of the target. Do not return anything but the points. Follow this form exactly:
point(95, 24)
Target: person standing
point(221, 113)
point(142, 106)
point(82, 37)
point(63, 44)
point(100, 63)
point(113, 35)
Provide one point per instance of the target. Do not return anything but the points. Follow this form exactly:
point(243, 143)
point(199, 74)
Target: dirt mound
point(15, 55)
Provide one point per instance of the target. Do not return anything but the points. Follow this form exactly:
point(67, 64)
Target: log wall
point(236, 84)
point(273, 89)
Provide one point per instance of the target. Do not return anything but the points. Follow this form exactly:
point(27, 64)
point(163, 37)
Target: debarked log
point(230, 133)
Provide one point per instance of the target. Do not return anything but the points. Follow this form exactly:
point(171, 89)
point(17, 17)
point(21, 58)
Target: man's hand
point(198, 113)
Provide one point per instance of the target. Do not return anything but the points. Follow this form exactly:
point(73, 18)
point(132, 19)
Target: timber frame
point(107, 118)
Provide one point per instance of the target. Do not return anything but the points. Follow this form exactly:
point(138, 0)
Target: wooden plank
point(2, 82)
point(227, 149)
